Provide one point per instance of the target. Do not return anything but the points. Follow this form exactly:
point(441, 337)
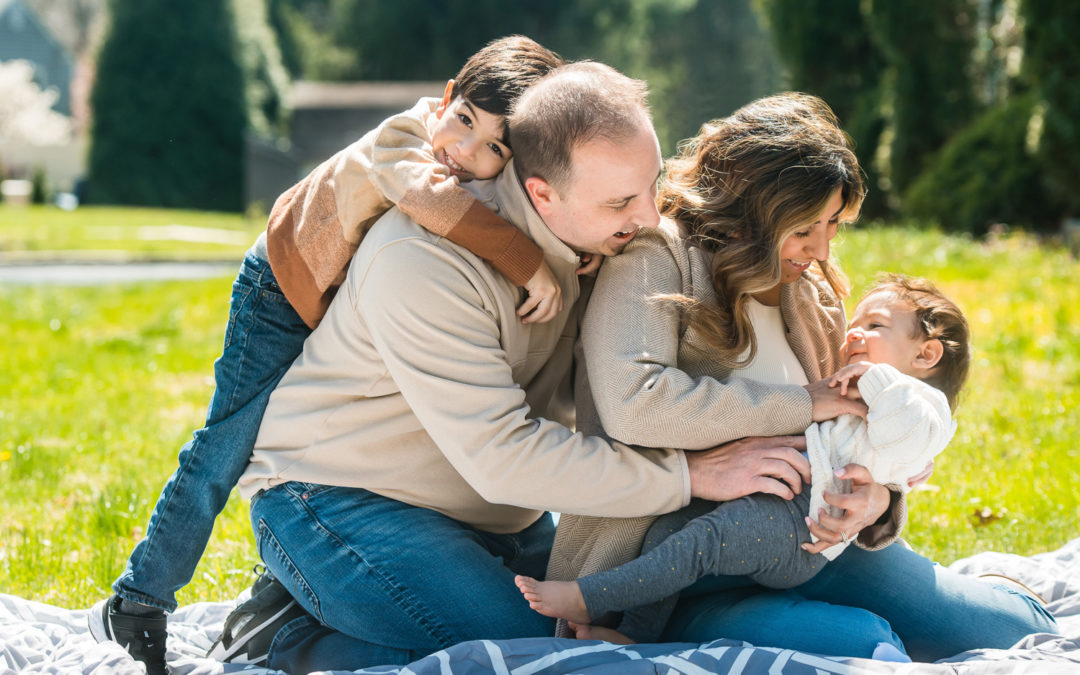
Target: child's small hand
point(849, 375)
point(545, 297)
point(922, 476)
point(590, 263)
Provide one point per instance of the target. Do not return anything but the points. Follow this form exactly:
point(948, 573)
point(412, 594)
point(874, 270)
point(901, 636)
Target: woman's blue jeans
point(858, 600)
point(263, 337)
point(390, 582)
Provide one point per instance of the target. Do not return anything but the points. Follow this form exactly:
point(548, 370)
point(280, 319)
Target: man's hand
point(545, 297)
point(829, 402)
point(862, 507)
point(773, 465)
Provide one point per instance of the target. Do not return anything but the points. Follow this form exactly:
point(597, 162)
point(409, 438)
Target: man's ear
point(542, 195)
point(929, 354)
point(445, 99)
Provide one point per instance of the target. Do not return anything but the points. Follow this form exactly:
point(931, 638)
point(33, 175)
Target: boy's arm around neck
point(404, 168)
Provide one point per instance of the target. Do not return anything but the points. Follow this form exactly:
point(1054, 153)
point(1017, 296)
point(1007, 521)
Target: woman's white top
point(774, 362)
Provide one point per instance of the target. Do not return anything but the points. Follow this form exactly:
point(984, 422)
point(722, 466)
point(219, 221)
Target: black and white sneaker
point(143, 636)
point(251, 627)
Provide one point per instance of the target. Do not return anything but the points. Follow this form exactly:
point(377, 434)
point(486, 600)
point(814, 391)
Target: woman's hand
point(829, 401)
point(773, 465)
point(867, 502)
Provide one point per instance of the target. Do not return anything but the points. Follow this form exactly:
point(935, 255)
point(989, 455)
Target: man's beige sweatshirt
point(421, 384)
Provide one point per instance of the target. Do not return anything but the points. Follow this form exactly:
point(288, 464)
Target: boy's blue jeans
point(398, 581)
point(263, 337)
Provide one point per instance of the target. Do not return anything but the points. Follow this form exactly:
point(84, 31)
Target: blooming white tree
point(26, 114)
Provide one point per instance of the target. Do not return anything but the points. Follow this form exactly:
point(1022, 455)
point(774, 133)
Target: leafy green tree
point(1052, 68)
point(419, 39)
point(928, 56)
point(827, 50)
point(265, 76)
point(306, 31)
point(986, 174)
point(702, 58)
point(168, 107)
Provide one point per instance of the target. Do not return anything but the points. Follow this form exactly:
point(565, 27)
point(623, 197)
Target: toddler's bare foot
point(557, 599)
point(587, 632)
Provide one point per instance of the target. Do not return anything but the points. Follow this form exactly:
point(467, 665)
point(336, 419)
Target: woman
point(720, 326)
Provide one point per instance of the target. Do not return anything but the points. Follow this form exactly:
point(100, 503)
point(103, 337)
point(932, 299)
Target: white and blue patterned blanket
point(35, 637)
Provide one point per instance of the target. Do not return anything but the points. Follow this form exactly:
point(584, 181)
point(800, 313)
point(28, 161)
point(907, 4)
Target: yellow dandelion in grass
point(5, 455)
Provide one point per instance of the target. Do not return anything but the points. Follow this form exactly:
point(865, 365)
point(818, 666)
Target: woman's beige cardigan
point(653, 381)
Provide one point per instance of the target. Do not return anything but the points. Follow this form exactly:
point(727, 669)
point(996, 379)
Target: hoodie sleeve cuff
point(887, 528)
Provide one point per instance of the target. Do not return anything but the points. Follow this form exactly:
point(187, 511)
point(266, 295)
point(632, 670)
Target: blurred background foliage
point(964, 112)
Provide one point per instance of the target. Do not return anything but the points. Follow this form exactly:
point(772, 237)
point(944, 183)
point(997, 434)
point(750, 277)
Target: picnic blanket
point(35, 637)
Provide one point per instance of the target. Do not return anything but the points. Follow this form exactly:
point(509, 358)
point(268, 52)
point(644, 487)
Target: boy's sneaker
point(143, 636)
point(250, 628)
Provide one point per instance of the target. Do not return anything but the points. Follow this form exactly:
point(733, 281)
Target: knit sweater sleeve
point(633, 339)
point(908, 423)
point(443, 353)
point(404, 168)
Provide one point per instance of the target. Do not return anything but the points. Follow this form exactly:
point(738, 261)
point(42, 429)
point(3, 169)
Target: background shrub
point(987, 174)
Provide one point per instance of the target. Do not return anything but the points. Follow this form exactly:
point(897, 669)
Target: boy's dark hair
point(936, 317)
point(494, 77)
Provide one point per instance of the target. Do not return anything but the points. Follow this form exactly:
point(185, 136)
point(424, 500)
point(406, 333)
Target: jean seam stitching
point(406, 600)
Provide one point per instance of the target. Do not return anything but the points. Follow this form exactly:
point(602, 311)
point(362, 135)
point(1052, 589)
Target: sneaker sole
point(98, 627)
point(219, 652)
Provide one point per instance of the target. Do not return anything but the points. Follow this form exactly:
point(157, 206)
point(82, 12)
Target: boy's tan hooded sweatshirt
point(316, 225)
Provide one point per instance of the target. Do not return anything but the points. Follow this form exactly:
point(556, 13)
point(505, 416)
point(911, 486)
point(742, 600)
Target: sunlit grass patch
point(1007, 481)
point(106, 232)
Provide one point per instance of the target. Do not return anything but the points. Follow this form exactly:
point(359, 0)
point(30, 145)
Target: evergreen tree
point(826, 49)
point(1052, 68)
point(928, 52)
point(265, 75)
point(168, 107)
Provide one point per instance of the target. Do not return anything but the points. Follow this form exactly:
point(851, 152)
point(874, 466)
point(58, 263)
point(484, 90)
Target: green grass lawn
point(105, 232)
point(100, 386)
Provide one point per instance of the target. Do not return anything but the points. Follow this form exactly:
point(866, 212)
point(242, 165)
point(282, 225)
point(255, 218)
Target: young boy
point(908, 351)
point(414, 160)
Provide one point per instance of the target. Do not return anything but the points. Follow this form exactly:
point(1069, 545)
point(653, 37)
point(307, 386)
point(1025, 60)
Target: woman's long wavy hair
point(741, 187)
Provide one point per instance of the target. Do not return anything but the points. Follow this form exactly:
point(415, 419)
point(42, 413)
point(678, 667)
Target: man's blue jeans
point(390, 582)
point(263, 337)
point(858, 600)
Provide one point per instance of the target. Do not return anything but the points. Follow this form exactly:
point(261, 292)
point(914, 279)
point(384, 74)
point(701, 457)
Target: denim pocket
point(241, 292)
point(281, 565)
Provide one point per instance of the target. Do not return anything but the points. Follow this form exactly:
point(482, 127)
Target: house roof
point(398, 95)
point(28, 12)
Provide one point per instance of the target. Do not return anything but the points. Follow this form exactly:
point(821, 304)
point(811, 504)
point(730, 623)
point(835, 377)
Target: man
point(405, 463)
